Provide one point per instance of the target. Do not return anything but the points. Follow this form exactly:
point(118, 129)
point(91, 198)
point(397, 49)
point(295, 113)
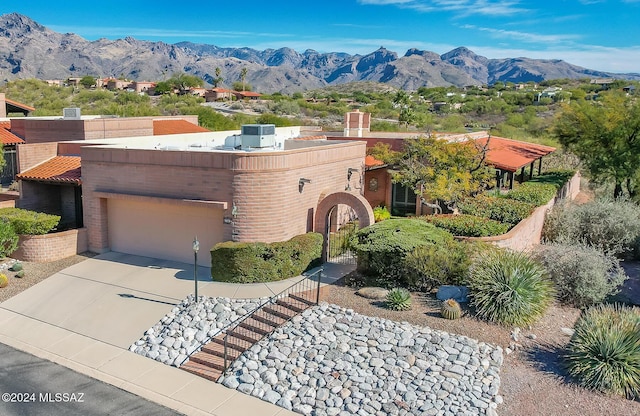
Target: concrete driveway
point(116, 297)
point(86, 317)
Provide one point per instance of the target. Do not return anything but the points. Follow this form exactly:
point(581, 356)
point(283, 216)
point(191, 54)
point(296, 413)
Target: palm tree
point(243, 76)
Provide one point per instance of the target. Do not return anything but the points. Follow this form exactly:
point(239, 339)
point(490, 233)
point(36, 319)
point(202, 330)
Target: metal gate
point(342, 223)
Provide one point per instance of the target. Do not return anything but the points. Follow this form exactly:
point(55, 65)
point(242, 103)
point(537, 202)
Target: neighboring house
point(248, 95)
point(216, 94)
point(512, 159)
point(629, 89)
point(119, 84)
point(151, 195)
point(144, 86)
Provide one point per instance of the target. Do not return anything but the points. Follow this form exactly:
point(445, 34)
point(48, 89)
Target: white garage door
point(163, 231)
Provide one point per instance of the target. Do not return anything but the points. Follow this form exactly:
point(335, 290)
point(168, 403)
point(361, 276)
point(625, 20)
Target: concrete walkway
point(86, 317)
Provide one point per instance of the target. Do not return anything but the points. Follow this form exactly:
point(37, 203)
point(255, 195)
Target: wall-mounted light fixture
point(301, 183)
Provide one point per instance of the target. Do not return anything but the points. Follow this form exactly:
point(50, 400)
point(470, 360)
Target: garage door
point(163, 231)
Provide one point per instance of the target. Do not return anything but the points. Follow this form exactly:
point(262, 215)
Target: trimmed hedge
point(382, 247)
point(29, 222)
point(8, 238)
point(467, 225)
point(496, 208)
point(536, 193)
point(557, 178)
point(261, 262)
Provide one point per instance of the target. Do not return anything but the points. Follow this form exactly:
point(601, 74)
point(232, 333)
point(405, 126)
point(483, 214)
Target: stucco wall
point(51, 247)
point(263, 186)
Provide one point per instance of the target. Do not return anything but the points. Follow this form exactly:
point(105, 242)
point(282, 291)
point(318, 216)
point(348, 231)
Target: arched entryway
point(339, 215)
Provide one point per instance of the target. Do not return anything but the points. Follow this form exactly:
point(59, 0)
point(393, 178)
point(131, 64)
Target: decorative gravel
point(186, 327)
point(332, 361)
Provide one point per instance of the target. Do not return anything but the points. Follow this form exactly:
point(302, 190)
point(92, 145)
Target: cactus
point(20, 274)
point(4, 281)
point(17, 266)
point(450, 309)
point(399, 299)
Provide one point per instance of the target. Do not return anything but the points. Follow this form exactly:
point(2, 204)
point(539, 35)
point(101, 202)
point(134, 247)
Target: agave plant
point(604, 351)
point(509, 288)
point(399, 299)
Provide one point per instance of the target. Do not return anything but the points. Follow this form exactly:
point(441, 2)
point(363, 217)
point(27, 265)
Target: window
point(403, 200)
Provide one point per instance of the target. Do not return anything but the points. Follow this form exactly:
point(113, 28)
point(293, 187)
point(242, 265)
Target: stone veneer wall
point(51, 247)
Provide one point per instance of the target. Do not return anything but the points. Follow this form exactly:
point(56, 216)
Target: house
point(144, 86)
point(249, 95)
point(513, 161)
point(8, 138)
point(216, 94)
point(151, 194)
point(48, 153)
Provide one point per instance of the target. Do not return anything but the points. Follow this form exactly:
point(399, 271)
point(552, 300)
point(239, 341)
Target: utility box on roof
point(258, 135)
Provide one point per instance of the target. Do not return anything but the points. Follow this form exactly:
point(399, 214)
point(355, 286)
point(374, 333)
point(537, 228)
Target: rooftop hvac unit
point(258, 135)
point(71, 113)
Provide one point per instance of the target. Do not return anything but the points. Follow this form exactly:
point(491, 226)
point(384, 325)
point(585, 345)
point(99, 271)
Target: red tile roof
point(249, 94)
point(162, 127)
point(6, 137)
point(19, 105)
point(64, 169)
point(6, 124)
point(511, 155)
point(370, 162)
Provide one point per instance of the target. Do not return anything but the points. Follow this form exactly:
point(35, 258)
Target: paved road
point(31, 386)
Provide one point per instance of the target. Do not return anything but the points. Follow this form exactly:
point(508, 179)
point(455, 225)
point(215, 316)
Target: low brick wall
point(528, 232)
point(8, 199)
point(51, 247)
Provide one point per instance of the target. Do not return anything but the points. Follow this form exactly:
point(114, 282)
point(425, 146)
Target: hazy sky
point(596, 34)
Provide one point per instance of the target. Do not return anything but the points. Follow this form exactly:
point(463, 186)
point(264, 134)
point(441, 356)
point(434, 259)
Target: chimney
point(3, 106)
point(356, 123)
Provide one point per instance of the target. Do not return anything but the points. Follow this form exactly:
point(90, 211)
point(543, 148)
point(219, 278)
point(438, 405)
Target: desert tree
point(605, 135)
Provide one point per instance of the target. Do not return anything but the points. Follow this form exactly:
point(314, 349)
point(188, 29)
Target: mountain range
point(30, 50)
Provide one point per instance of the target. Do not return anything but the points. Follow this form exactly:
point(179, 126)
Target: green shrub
point(604, 351)
point(438, 264)
point(509, 288)
point(381, 214)
point(29, 222)
point(496, 208)
point(262, 262)
point(557, 178)
point(8, 238)
point(583, 275)
point(612, 226)
point(535, 193)
point(398, 299)
point(468, 225)
point(382, 247)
